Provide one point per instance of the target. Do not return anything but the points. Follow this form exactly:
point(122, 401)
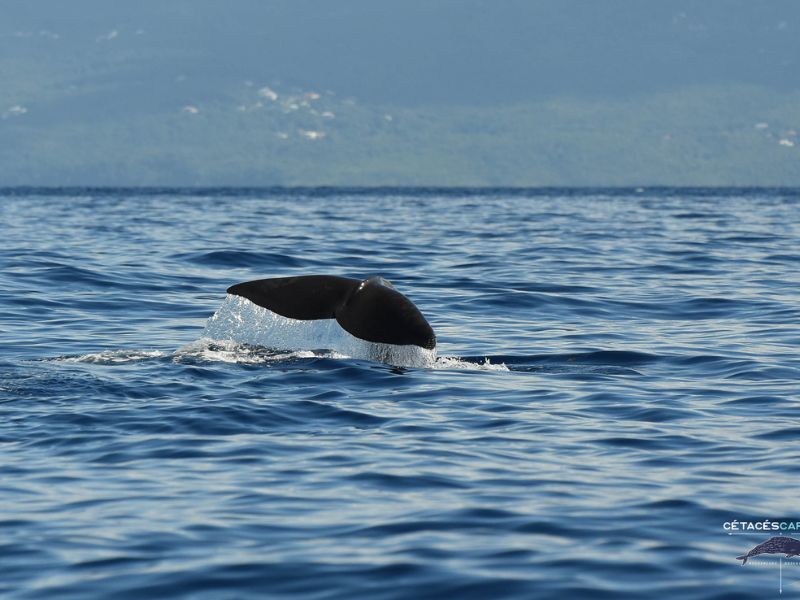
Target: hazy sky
point(426, 51)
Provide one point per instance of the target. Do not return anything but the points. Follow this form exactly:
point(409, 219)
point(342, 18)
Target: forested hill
point(118, 103)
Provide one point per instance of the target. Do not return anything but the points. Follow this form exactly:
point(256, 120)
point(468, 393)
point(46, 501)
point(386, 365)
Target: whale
point(371, 309)
point(775, 545)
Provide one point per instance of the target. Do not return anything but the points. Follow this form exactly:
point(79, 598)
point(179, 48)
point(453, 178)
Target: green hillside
point(71, 122)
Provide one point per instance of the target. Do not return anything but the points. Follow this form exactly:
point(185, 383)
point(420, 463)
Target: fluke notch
point(372, 309)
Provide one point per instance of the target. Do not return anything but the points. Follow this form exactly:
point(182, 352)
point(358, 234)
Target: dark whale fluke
point(775, 545)
point(371, 310)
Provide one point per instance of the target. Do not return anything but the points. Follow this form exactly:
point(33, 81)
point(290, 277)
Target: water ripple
point(616, 378)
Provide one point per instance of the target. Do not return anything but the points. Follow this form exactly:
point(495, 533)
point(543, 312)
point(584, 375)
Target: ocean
point(613, 410)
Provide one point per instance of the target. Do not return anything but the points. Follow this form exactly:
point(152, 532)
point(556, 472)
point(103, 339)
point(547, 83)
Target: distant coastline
point(325, 191)
point(702, 136)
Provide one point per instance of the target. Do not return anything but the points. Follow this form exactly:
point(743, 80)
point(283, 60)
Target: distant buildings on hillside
point(15, 111)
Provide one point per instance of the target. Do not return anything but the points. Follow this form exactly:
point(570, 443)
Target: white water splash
point(112, 356)
point(230, 351)
point(454, 362)
point(240, 321)
point(242, 332)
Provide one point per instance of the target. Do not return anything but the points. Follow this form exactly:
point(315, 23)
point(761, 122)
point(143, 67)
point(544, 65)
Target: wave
point(229, 351)
point(112, 357)
point(208, 350)
point(241, 332)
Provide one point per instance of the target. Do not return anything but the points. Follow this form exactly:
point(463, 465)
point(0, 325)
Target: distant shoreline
point(325, 190)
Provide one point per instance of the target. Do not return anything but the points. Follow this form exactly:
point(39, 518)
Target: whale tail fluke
point(371, 310)
point(305, 298)
point(742, 558)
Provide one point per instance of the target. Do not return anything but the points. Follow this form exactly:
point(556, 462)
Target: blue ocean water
point(616, 394)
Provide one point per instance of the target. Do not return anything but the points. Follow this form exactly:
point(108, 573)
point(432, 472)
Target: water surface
point(617, 377)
